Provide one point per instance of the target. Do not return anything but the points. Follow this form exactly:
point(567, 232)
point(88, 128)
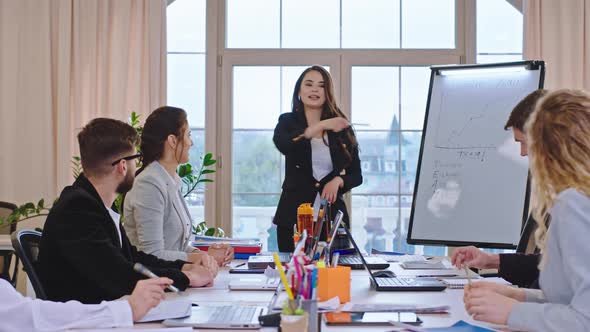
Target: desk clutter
point(312, 285)
point(243, 248)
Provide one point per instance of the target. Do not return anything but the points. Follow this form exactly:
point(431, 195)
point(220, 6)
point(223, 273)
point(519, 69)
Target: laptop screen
point(358, 251)
point(334, 230)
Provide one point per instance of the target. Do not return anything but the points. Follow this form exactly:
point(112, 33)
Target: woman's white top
point(563, 302)
point(321, 160)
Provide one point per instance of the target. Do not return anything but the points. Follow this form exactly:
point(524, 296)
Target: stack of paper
point(393, 307)
point(243, 248)
point(392, 256)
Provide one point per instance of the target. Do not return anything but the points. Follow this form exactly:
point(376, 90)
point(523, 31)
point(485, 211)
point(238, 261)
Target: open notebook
point(175, 308)
point(457, 283)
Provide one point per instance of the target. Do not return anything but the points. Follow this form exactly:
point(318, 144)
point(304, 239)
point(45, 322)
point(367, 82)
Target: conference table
point(361, 292)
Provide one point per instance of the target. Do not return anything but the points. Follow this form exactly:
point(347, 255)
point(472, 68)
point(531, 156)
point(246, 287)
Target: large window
point(348, 24)
point(378, 52)
point(499, 31)
point(186, 35)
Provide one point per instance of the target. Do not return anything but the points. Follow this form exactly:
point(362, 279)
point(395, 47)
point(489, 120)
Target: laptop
point(375, 263)
point(256, 284)
point(355, 262)
point(398, 283)
point(237, 317)
point(260, 262)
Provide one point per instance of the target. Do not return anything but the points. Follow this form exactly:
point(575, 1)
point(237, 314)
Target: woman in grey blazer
point(157, 219)
point(558, 136)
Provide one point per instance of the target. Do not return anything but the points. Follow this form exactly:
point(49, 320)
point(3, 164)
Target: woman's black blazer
point(299, 185)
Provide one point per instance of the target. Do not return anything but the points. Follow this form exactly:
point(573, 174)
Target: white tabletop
point(360, 293)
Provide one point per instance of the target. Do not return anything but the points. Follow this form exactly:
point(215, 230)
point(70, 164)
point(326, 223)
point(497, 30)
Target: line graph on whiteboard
point(467, 129)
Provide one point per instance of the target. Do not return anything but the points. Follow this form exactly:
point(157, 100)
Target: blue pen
point(314, 283)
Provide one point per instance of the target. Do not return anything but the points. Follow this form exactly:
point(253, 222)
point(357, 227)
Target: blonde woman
point(558, 135)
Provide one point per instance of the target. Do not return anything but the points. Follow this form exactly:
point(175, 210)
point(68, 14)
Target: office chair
point(6, 256)
point(26, 244)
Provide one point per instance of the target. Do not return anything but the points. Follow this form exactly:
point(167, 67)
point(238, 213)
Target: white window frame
point(220, 61)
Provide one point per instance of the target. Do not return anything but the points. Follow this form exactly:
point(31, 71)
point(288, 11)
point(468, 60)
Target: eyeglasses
point(126, 158)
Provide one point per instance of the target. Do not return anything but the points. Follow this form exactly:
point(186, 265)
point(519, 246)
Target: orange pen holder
point(334, 281)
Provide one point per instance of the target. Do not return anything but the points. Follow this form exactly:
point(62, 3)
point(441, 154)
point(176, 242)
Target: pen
point(295, 139)
point(241, 264)
point(436, 275)
point(279, 267)
point(139, 268)
point(335, 258)
point(468, 275)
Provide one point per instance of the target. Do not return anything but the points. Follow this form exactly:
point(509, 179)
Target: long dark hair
point(161, 123)
point(347, 139)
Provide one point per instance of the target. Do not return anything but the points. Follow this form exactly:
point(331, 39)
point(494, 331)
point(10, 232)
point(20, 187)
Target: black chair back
point(26, 244)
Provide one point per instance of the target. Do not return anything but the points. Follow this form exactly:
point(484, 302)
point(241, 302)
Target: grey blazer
point(156, 218)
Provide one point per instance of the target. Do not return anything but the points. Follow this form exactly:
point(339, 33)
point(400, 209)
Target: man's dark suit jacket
point(519, 268)
point(80, 256)
point(299, 185)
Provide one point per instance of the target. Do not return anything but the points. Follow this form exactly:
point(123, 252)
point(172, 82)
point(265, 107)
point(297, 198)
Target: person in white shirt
point(18, 313)
point(558, 137)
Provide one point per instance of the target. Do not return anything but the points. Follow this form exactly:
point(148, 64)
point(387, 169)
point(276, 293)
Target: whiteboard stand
point(472, 184)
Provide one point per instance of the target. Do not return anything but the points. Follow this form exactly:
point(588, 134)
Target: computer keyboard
point(349, 260)
point(232, 314)
point(394, 281)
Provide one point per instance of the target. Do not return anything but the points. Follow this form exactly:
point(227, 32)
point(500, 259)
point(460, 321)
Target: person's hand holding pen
point(334, 124)
point(491, 302)
point(508, 291)
point(147, 294)
point(484, 304)
point(474, 257)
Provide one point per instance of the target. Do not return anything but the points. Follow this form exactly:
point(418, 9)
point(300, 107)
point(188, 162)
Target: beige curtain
point(558, 32)
point(62, 63)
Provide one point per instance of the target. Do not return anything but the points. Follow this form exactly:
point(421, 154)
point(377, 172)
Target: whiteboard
point(471, 184)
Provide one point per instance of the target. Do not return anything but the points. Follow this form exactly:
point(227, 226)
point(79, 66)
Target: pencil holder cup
point(294, 323)
point(311, 309)
point(334, 281)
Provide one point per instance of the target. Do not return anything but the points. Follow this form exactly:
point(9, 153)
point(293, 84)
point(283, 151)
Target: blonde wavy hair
point(558, 139)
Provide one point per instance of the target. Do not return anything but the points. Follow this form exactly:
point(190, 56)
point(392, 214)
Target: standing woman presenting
point(321, 152)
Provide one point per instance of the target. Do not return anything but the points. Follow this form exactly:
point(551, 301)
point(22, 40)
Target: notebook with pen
point(398, 283)
point(460, 283)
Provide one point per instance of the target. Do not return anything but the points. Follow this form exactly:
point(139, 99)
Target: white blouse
point(321, 160)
